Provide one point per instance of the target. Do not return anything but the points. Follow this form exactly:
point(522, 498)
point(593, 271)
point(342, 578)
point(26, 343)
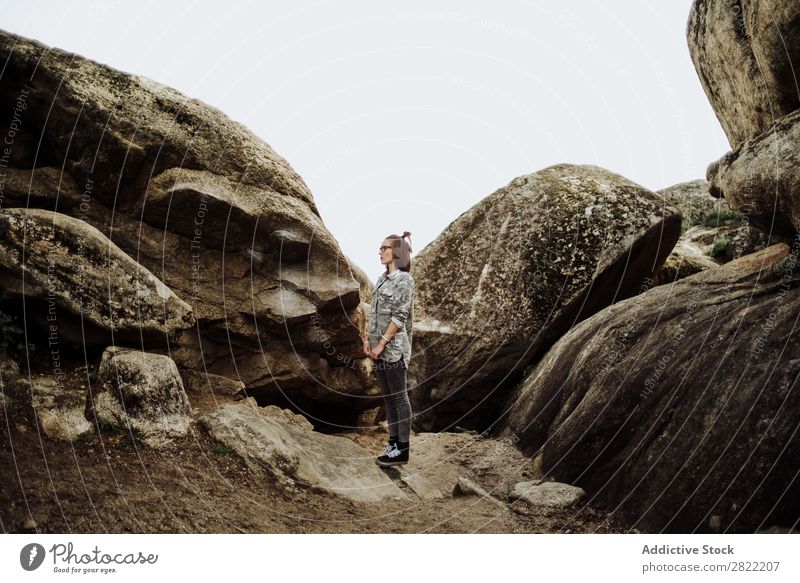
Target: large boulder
point(513, 273)
point(678, 407)
point(694, 201)
point(211, 209)
point(761, 178)
point(293, 457)
point(80, 286)
point(746, 56)
point(117, 130)
point(140, 392)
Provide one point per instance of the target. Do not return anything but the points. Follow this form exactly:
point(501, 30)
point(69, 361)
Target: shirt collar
point(390, 275)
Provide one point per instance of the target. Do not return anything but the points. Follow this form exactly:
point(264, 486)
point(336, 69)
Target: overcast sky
point(402, 115)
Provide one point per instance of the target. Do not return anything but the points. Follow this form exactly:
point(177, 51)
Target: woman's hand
point(366, 349)
point(376, 352)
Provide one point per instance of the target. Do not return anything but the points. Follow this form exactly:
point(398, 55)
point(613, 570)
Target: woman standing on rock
point(389, 342)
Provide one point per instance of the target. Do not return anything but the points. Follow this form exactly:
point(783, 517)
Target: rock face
point(678, 406)
point(713, 233)
point(282, 450)
point(746, 55)
point(761, 178)
point(140, 391)
point(59, 412)
point(513, 273)
point(76, 280)
point(211, 210)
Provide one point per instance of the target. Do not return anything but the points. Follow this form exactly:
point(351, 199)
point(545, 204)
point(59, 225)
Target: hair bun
point(406, 233)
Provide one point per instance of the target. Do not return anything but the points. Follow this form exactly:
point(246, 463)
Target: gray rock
point(466, 487)
point(211, 209)
point(761, 178)
point(547, 494)
point(287, 417)
point(694, 201)
point(297, 458)
point(87, 287)
point(207, 383)
point(143, 392)
point(59, 411)
point(513, 273)
point(713, 233)
point(129, 127)
point(678, 405)
point(746, 56)
point(686, 259)
point(419, 484)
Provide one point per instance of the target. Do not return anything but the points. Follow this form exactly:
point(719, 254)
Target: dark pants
point(392, 380)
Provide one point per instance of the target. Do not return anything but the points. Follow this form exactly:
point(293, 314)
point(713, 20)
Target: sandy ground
point(113, 484)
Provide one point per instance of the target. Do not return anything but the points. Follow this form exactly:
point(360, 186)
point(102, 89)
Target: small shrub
point(720, 246)
point(723, 218)
point(106, 426)
point(11, 335)
point(222, 449)
point(86, 437)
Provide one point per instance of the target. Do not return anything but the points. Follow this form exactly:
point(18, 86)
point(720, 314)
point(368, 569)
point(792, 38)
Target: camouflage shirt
point(393, 301)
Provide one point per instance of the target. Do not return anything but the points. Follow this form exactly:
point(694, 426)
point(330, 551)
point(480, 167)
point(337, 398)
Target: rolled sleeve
point(401, 307)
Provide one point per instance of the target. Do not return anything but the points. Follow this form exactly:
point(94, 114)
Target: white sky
point(402, 115)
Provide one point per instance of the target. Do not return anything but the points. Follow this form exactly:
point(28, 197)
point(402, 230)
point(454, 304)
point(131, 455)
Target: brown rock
point(746, 56)
point(214, 212)
point(512, 274)
point(761, 178)
point(80, 286)
point(678, 407)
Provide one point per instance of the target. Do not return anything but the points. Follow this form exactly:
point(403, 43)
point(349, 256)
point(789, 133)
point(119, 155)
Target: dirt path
point(111, 484)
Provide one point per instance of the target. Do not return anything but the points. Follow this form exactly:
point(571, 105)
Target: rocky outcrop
point(294, 457)
point(761, 178)
point(80, 286)
point(712, 234)
point(210, 209)
point(746, 56)
point(678, 406)
point(141, 392)
point(512, 274)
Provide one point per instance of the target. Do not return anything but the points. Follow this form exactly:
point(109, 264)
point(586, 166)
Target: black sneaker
point(395, 455)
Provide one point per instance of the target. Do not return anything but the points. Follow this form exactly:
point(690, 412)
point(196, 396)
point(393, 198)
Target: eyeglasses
point(384, 248)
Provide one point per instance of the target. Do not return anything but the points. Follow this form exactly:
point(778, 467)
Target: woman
point(389, 342)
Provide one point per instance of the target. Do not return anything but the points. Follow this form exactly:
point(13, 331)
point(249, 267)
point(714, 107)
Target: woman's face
point(386, 252)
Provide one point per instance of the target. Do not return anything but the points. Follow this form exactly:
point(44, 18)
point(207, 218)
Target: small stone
point(547, 494)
